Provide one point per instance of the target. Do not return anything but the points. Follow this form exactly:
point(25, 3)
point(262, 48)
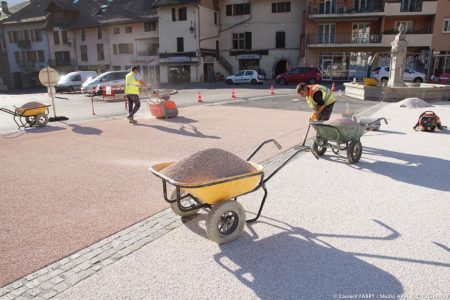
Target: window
point(116, 30)
point(411, 5)
point(174, 14)
point(83, 52)
point(408, 26)
point(15, 35)
point(31, 56)
point(215, 18)
point(26, 35)
point(100, 52)
point(147, 47)
point(116, 68)
point(280, 39)
point(180, 44)
point(149, 26)
point(56, 37)
point(249, 73)
point(241, 73)
point(62, 58)
point(242, 40)
point(41, 56)
point(38, 35)
point(99, 33)
point(238, 9)
point(83, 35)
point(17, 57)
point(182, 14)
point(65, 40)
point(128, 29)
point(281, 7)
point(446, 25)
point(120, 49)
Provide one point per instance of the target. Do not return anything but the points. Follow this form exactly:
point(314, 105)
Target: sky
point(14, 2)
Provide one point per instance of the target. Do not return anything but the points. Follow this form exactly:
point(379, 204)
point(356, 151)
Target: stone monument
point(398, 58)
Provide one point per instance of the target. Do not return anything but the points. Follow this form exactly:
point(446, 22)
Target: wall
point(441, 41)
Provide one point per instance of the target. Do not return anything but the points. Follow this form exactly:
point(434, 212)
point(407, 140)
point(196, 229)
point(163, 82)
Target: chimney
point(5, 8)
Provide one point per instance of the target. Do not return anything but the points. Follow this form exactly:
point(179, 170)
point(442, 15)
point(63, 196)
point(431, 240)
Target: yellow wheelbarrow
point(226, 218)
point(36, 114)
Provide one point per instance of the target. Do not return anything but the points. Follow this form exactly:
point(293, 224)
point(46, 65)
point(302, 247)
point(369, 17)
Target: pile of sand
point(32, 104)
point(414, 103)
point(340, 121)
point(206, 165)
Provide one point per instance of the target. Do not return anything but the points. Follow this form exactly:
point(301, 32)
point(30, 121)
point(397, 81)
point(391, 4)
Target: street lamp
point(192, 28)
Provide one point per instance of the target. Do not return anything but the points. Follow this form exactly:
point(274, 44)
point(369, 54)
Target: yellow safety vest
point(327, 95)
point(131, 84)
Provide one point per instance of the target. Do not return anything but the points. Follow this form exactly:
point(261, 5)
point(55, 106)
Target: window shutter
point(248, 40)
point(174, 15)
point(229, 10)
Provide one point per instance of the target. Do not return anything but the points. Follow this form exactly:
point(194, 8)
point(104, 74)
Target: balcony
point(27, 65)
point(410, 7)
point(24, 44)
point(345, 8)
point(348, 39)
point(148, 53)
point(413, 39)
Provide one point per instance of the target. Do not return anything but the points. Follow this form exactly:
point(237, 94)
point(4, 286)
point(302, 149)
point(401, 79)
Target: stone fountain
point(396, 89)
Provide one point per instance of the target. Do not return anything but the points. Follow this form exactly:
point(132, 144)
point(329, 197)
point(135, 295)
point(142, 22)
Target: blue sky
point(14, 2)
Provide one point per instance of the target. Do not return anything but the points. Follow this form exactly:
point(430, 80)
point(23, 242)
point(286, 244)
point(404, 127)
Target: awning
point(347, 19)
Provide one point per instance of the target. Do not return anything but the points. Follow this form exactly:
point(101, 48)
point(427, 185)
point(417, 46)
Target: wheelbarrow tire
point(320, 150)
point(41, 119)
point(177, 210)
point(225, 222)
point(354, 151)
point(30, 120)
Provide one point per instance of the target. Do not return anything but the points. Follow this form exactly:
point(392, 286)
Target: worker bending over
point(319, 98)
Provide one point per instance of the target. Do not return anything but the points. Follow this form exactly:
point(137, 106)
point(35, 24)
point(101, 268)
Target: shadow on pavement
point(85, 130)
point(410, 169)
point(442, 246)
point(182, 131)
point(32, 130)
point(302, 267)
point(181, 120)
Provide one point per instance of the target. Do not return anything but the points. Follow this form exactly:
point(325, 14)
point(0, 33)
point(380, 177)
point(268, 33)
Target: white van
point(73, 80)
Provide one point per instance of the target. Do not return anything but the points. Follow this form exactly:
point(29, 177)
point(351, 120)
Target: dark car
point(301, 74)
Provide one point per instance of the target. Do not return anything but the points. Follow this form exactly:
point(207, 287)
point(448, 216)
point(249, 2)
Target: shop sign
point(248, 56)
point(178, 59)
point(142, 61)
point(209, 59)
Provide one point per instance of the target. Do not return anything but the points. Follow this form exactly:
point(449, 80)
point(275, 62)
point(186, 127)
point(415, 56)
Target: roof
point(159, 3)
point(25, 12)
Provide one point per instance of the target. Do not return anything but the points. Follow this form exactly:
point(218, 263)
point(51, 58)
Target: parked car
point(245, 76)
point(300, 74)
point(382, 74)
point(114, 79)
point(73, 80)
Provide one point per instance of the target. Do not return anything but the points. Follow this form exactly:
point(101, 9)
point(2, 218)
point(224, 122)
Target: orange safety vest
point(327, 95)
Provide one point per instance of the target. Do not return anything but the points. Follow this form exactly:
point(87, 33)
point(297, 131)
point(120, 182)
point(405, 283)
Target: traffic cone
point(199, 98)
point(272, 91)
point(233, 94)
point(333, 87)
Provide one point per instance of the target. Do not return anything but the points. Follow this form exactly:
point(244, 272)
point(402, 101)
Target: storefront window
point(248, 64)
point(179, 74)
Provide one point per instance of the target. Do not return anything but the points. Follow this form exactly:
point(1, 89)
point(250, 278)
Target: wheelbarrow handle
point(260, 146)
point(298, 150)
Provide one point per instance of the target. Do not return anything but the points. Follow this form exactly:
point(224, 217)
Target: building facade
point(343, 35)
point(441, 39)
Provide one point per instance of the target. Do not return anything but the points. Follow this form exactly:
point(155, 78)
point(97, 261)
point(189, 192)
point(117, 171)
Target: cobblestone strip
point(65, 273)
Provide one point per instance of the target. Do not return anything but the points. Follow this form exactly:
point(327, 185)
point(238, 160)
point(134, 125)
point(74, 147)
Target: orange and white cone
point(199, 98)
point(272, 90)
point(233, 94)
point(333, 87)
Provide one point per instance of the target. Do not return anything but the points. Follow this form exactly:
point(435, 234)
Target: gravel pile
point(340, 121)
point(32, 104)
point(414, 103)
point(206, 165)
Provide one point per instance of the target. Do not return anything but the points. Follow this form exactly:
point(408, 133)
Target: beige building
point(441, 39)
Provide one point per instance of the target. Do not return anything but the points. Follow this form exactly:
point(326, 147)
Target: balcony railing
point(27, 64)
point(346, 7)
point(148, 53)
point(344, 38)
point(24, 44)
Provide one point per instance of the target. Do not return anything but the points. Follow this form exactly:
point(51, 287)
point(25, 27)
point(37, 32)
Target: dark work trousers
point(133, 104)
point(326, 112)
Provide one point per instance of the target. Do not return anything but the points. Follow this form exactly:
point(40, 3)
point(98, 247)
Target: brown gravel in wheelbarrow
point(341, 121)
point(206, 165)
point(32, 104)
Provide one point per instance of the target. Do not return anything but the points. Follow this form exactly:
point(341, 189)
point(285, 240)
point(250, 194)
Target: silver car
point(114, 79)
point(245, 76)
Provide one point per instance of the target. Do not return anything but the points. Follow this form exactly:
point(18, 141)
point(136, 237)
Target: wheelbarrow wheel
point(354, 151)
point(320, 150)
point(225, 222)
point(30, 120)
point(185, 203)
point(41, 119)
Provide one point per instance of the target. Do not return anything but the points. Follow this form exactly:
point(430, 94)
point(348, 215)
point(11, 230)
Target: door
point(326, 68)
point(248, 76)
point(239, 77)
point(327, 34)
point(75, 81)
point(360, 33)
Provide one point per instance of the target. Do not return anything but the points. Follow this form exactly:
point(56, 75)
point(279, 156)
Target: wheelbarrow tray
point(342, 133)
point(31, 111)
point(218, 190)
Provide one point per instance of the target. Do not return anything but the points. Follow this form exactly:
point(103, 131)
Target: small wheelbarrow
point(29, 116)
point(340, 138)
point(226, 217)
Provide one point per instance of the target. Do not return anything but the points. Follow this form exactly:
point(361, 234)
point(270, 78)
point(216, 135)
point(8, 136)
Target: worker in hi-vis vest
point(132, 83)
point(320, 98)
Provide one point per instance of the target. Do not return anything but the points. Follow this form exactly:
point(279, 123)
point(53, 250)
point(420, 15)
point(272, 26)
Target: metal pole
point(51, 92)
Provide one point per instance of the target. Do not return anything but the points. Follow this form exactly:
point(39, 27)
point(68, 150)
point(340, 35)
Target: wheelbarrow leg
point(262, 205)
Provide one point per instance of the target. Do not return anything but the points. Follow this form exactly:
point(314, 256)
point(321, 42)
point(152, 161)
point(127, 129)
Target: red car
point(301, 74)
